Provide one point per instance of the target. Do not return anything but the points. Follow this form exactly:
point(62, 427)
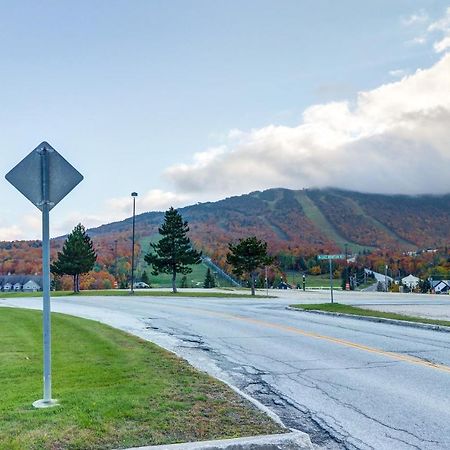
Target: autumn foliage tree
point(77, 256)
point(173, 252)
point(247, 256)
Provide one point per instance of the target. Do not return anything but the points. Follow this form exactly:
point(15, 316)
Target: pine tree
point(145, 278)
point(77, 256)
point(173, 252)
point(209, 280)
point(184, 282)
point(247, 256)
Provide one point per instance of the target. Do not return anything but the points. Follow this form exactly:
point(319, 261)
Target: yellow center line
point(291, 329)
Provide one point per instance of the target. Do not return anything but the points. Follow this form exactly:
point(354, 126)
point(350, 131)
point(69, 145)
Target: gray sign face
point(26, 177)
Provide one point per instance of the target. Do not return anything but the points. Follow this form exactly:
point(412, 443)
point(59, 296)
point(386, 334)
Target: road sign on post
point(330, 259)
point(44, 177)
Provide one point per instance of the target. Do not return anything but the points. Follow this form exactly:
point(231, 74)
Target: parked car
point(141, 285)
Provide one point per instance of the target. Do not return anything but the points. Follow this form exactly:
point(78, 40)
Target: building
point(441, 286)
point(19, 283)
point(31, 286)
point(410, 281)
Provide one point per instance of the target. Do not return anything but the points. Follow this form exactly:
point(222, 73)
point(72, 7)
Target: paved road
point(350, 384)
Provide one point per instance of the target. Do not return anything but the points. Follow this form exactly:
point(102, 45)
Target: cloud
point(442, 27)
point(119, 208)
point(153, 200)
point(418, 40)
point(398, 73)
point(393, 139)
point(442, 45)
point(437, 31)
point(11, 233)
point(417, 18)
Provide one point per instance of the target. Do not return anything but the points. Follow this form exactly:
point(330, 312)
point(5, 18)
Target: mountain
point(308, 221)
point(305, 222)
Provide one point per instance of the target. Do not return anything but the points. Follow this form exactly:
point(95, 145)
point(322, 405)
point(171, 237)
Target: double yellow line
point(392, 355)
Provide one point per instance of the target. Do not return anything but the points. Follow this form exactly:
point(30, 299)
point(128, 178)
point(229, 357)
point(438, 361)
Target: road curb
point(295, 440)
point(403, 323)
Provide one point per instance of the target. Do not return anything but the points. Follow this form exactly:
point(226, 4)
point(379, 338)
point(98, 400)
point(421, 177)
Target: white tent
point(411, 281)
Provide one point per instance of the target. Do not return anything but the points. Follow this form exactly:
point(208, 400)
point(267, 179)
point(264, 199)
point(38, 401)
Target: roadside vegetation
point(347, 309)
point(115, 391)
point(173, 253)
point(137, 293)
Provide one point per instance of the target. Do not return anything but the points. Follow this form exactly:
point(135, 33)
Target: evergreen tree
point(173, 252)
point(77, 256)
point(209, 280)
point(145, 278)
point(247, 256)
point(184, 282)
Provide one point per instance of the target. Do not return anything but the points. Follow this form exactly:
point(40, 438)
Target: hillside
point(304, 222)
point(308, 221)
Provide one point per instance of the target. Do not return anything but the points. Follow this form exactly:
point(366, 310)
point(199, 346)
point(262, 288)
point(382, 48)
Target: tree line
point(173, 254)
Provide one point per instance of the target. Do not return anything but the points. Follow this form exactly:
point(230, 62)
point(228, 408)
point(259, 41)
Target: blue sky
point(130, 91)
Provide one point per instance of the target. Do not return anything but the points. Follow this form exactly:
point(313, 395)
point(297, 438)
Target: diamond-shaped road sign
point(27, 176)
point(44, 177)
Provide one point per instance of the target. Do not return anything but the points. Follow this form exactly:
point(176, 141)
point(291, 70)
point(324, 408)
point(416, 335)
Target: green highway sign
point(330, 256)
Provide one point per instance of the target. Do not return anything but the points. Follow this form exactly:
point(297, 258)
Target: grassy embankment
point(312, 281)
point(115, 391)
point(347, 309)
point(194, 279)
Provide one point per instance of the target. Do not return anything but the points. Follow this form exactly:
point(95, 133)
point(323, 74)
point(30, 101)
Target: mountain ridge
point(309, 219)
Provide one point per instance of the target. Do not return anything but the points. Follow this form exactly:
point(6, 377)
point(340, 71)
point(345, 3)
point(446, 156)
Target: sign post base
point(39, 404)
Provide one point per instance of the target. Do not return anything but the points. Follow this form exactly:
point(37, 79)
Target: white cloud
point(398, 73)
point(120, 208)
point(437, 31)
point(418, 40)
point(441, 27)
point(442, 45)
point(417, 18)
point(153, 200)
point(393, 139)
point(29, 225)
point(11, 233)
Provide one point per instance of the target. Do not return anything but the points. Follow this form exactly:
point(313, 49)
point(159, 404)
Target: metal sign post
point(44, 177)
point(47, 332)
point(330, 259)
point(331, 279)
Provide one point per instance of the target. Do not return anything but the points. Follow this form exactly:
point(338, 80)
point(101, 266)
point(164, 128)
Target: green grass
point(312, 281)
point(347, 309)
point(313, 213)
point(194, 279)
point(137, 293)
point(115, 391)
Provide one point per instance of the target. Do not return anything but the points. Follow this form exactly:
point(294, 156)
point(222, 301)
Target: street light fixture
point(134, 195)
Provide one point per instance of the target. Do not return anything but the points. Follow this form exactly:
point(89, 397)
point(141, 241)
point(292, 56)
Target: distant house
point(18, 283)
point(31, 286)
point(441, 286)
point(411, 281)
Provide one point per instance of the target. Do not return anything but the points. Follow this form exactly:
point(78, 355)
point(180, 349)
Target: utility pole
point(331, 279)
point(385, 278)
point(267, 283)
point(134, 195)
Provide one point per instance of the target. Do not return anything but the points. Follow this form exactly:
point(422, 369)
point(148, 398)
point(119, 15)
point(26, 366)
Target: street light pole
point(385, 278)
point(134, 195)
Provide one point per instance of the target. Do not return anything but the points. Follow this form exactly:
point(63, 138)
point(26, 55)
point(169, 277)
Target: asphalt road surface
point(350, 384)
